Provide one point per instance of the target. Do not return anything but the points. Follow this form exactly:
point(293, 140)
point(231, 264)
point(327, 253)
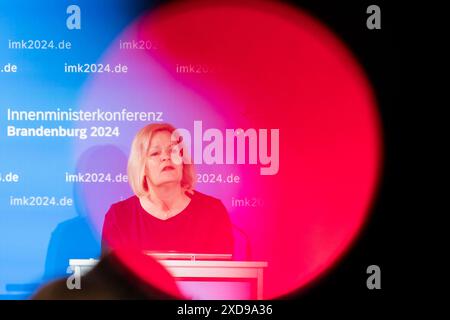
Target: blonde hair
point(139, 151)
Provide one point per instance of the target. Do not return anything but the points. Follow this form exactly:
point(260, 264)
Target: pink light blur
point(270, 66)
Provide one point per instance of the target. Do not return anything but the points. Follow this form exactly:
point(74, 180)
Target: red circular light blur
point(265, 66)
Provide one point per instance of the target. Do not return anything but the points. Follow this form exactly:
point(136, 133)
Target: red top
point(202, 227)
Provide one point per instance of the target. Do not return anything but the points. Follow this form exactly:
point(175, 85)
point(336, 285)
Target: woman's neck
point(166, 196)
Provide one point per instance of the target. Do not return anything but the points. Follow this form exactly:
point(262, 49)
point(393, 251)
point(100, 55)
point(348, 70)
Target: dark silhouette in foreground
point(110, 279)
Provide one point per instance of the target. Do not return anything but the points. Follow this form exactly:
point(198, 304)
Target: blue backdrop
point(38, 234)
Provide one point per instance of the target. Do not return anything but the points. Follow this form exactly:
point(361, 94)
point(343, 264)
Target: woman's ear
point(145, 184)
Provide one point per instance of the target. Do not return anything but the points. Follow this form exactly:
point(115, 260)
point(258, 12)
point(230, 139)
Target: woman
point(166, 214)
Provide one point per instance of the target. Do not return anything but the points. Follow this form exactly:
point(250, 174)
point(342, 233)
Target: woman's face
point(163, 163)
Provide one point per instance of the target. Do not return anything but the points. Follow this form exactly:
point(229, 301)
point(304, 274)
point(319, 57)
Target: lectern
point(206, 280)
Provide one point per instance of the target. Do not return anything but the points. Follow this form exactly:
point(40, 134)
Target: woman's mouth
point(168, 168)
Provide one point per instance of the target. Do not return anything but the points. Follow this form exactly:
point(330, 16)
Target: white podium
point(200, 279)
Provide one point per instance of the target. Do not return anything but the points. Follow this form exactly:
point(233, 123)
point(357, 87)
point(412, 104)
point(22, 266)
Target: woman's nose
point(165, 155)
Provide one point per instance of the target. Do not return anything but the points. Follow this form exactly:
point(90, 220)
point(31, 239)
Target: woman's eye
point(154, 154)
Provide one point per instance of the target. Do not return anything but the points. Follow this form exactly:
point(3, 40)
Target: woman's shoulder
point(209, 208)
point(124, 205)
point(204, 198)
point(207, 202)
